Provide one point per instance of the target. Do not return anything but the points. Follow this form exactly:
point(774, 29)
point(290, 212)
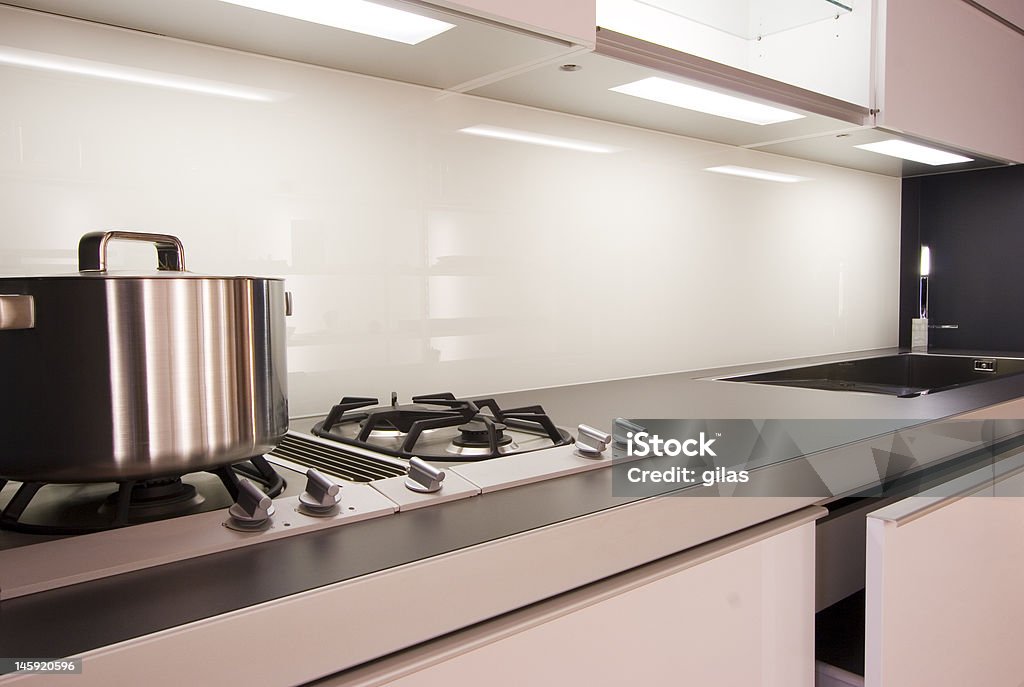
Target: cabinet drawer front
point(943, 594)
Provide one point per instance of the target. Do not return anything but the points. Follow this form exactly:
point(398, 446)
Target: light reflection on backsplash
point(422, 259)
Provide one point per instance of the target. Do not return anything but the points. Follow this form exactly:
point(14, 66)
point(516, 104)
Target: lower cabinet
point(936, 601)
point(735, 612)
point(943, 589)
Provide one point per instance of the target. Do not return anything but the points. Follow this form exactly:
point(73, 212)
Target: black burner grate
point(334, 460)
point(435, 411)
point(137, 501)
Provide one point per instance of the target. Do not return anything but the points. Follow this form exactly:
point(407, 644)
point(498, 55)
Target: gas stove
point(362, 460)
point(440, 427)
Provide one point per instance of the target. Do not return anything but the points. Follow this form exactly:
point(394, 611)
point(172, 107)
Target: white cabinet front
point(736, 612)
point(944, 595)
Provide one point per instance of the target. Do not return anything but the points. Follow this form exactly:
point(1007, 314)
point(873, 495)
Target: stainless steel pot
point(110, 376)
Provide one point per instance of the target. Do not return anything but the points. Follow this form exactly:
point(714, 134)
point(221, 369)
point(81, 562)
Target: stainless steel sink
point(905, 375)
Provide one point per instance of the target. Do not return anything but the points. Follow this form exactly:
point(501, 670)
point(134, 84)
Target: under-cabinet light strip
point(359, 16)
point(894, 147)
point(690, 97)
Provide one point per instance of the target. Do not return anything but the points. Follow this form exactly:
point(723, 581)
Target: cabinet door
point(951, 73)
point(736, 612)
point(944, 595)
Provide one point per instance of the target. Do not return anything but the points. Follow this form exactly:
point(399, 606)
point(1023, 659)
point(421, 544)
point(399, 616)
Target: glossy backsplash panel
point(422, 258)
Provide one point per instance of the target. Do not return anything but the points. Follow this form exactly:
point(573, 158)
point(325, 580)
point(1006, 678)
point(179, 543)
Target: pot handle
point(17, 311)
point(92, 250)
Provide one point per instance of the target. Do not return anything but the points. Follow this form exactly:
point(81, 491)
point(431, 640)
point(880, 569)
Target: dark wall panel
point(974, 224)
point(910, 242)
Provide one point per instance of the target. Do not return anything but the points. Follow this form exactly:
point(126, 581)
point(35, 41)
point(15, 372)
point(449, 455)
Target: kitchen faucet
point(919, 326)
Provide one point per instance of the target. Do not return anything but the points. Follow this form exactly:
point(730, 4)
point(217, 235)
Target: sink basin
point(905, 375)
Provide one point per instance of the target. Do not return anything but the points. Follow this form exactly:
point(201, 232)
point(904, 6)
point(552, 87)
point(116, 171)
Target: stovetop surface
point(90, 505)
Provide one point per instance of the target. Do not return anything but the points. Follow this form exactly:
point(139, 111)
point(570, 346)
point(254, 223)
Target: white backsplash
point(423, 259)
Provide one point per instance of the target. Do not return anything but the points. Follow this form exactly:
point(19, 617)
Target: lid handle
point(92, 250)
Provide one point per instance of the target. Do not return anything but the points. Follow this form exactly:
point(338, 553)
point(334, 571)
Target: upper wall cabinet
point(952, 72)
point(739, 72)
point(822, 46)
point(456, 46)
point(830, 64)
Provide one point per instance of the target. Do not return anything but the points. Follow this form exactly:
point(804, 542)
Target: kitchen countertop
point(223, 587)
point(698, 394)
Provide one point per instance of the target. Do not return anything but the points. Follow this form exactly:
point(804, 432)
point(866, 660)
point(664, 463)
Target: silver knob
point(252, 509)
point(423, 477)
point(321, 496)
point(622, 430)
point(590, 442)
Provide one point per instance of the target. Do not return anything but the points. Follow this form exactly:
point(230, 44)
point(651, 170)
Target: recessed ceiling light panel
point(894, 147)
point(704, 100)
point(359, 16)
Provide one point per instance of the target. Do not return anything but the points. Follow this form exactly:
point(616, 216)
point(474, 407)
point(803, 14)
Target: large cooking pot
point(116, 376)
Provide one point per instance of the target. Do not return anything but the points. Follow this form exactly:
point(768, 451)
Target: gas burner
point(386, 433)
point(155, 499)
point(482, 437)
point(440, 427)
point(63, 509)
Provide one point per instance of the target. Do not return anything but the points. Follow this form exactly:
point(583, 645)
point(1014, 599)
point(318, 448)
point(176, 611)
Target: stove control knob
point(622, 430)
point(252, 509)
point(321, 496)
point(591, 443)
point(424, 477)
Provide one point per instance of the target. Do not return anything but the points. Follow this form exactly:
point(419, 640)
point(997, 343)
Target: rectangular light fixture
point(537, 139)
point(147, 77)
point(894, 147)
point(705, 100)
point(752, 173)
point(926, 260)
point(359, 16)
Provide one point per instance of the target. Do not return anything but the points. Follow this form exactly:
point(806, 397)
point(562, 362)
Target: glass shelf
point(753, 19)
